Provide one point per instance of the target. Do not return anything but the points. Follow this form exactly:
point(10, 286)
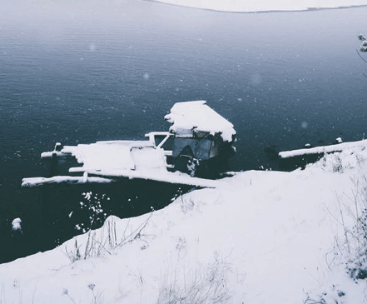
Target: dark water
point(77, 73)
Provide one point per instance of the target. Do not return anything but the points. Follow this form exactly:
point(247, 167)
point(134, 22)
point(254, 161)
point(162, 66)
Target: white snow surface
point(347, 146)
point(38, 181)
point(115, 155)
point(177, 177)
point(197, 115)
point(261, 6)
point(265, 237)
point(16, 224)
point(116, 159)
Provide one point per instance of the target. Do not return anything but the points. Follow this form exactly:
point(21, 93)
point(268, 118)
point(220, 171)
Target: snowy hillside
point(265, 237)
point(260, 6)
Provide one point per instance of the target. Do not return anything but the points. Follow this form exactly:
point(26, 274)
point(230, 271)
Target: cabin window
point(200, 148)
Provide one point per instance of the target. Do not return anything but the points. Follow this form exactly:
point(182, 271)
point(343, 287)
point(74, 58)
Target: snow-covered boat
point(196, 143)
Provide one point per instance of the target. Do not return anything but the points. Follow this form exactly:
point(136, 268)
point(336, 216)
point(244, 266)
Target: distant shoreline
point(310, 9)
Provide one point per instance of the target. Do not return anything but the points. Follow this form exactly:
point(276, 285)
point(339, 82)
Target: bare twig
point(361, 58)
point(34, 293)
point(345, 229)
point(134, 234)
point(66, 292)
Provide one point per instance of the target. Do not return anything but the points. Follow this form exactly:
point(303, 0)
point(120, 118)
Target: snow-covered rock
point(16, 224)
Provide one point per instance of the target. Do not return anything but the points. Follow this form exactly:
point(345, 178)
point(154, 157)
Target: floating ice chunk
point(339, 140)
point(16, 224)
point(307, 145)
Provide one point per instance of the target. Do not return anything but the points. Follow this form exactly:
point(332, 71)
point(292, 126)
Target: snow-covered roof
point(197, 115)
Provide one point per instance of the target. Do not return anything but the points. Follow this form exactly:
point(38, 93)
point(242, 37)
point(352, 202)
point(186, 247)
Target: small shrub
point(91, 211)
point(207, 285)
point(357, 236)
point(352, 247)
point(74, 254)
point(337, 164)
point(187, 205)
point(105, 240)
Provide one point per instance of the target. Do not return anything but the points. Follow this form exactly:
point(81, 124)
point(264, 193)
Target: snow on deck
point(197, 115)
point(38, 181)
point(112, 175)
point(109, 155)
point(119, 157)
point(324, 149)
point(178, 178)
point(109, 160)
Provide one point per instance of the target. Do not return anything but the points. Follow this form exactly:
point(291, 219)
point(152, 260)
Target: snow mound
point(16, 224)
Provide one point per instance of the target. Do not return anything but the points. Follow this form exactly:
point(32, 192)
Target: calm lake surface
point(84, 72)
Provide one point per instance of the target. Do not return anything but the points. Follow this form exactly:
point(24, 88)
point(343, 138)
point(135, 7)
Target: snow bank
point(268, 5)
point(261, 237)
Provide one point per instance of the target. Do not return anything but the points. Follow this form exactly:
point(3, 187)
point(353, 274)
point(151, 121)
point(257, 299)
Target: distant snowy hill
point(261, 6)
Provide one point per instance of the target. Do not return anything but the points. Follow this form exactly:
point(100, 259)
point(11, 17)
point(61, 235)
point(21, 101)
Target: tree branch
point(361, 57)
